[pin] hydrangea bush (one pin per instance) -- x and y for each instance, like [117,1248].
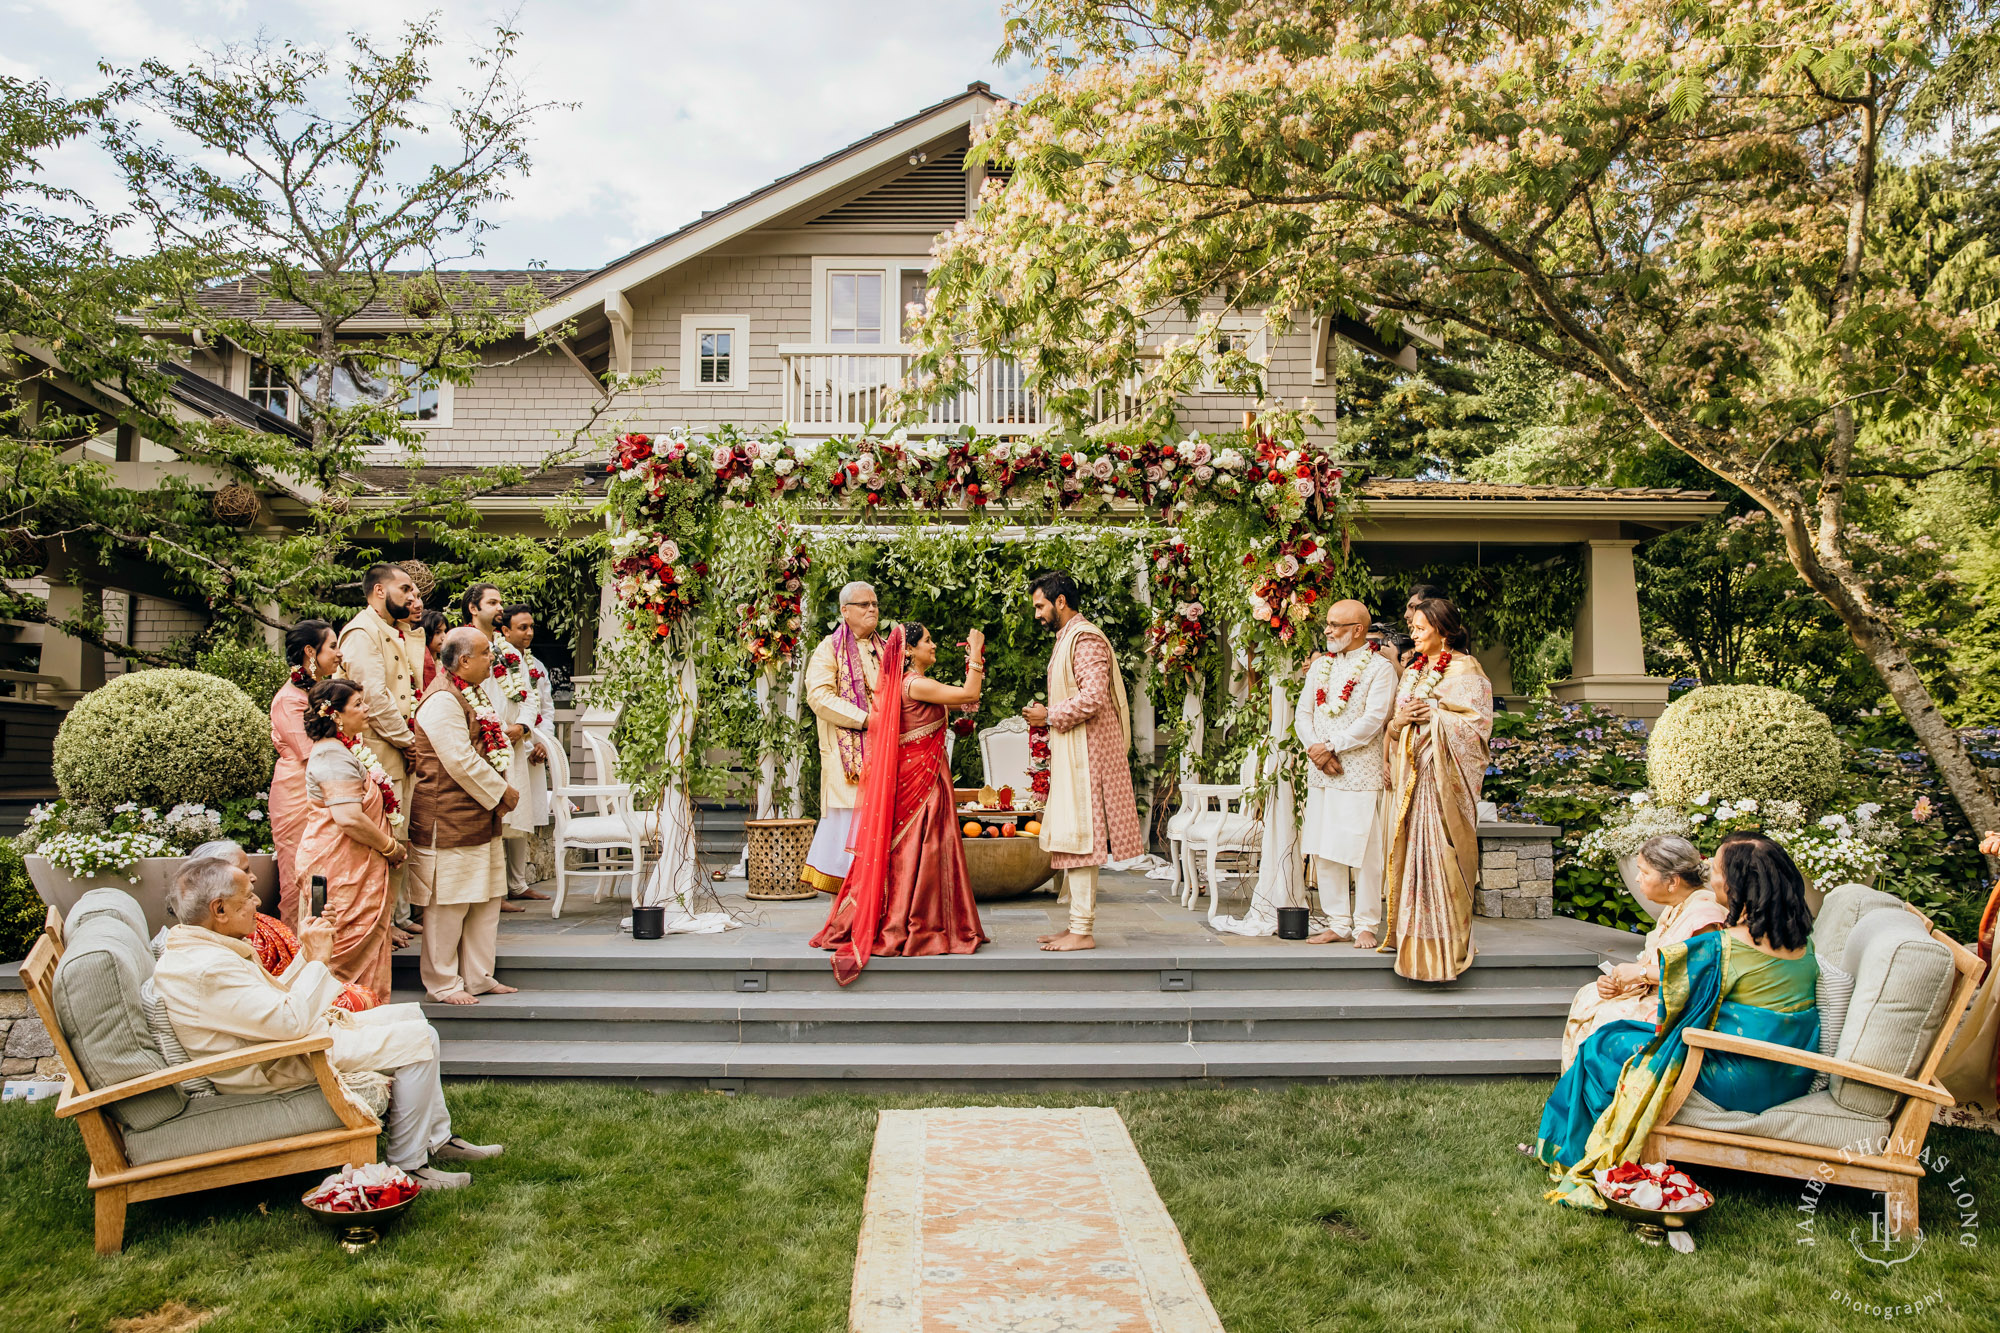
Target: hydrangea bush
[1736,741]
[161,738]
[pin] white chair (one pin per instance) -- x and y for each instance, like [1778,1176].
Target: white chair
[615,828]
[1225,821]
[1003,753]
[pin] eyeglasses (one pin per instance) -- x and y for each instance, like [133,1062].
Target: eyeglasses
[1347,624]
[860,606]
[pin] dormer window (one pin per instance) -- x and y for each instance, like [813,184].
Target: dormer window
[269,390]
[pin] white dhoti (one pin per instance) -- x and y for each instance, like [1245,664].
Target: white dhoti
[828,859]
[1342,833]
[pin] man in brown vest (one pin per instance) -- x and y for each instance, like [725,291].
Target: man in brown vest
[458,871]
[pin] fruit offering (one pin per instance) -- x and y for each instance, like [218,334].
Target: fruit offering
[971,829]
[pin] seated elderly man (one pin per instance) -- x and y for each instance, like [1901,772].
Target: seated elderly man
[219,998]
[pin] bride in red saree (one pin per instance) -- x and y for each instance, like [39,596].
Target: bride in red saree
[907,894]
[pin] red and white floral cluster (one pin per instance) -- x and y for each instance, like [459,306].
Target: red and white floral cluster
[492,739]
[391,806]
[510,669]
[1291,576]
[1657,1187]
[770,626]
[1038,768]
[1180,633]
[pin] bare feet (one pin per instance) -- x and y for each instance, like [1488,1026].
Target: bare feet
[531,895]
[1365,940]
[1329,937]
[456,997]
[497,989]
[398,939]
[509,905]
[1044,939]
[411,927]
[1069,942]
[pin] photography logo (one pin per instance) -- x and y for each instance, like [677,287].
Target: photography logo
[1891,1241]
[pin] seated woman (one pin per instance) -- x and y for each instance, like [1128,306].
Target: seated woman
[1755,978]
[908,893]
[1673,877]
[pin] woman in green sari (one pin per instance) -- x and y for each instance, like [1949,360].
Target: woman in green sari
[1755,977]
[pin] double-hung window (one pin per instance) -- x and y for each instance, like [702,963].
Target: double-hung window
[854,308]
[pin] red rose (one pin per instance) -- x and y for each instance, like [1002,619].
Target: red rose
[873,498]
[1067,461]
[1305,470]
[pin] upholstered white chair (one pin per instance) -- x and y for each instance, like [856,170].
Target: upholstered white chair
[1003,753]
[615,834]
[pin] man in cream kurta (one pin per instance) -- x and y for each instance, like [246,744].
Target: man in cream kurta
[1343,744]
[842,722]
[511,691]
[457,869]
[374,654]
[219,998]
[1091,815]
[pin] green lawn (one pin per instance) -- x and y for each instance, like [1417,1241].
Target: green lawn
[1396,1205]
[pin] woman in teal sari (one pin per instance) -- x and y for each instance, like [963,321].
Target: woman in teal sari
[1755,976]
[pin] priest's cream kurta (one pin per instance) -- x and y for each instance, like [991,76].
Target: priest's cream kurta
[828,860]
[458,875]
[220,998]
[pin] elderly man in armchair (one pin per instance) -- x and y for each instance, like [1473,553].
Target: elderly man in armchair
[219,998]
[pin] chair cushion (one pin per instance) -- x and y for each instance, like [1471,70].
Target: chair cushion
[1837,914]
[1815,1118]
[98,1004]
[231,1119]
[607,829]
[1902,986]
[168,1040]
[1835,991]
[116,902]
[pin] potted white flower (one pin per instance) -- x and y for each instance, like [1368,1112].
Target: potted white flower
[150,767]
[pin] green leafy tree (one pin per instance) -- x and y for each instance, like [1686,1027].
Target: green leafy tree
[1674,204]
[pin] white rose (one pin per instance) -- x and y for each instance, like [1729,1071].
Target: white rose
[1318,556]
[670,550]
[1104,468]
[1229,460]
[1287,566]
[1304,486]
[1203,472]
[1260,608]
[783,467]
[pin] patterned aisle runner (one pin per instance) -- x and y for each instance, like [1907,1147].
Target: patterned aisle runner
[1018,1220]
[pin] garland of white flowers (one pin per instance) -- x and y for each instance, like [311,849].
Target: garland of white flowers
[1332,703]
[510,668]
[493,739]
[1427,674]
[376,774]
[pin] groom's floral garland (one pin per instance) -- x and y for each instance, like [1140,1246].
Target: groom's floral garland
[376,774]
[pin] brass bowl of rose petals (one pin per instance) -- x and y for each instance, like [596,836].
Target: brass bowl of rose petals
[360,1200]
[1655,1192]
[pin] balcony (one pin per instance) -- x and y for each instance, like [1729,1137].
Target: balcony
[833,390]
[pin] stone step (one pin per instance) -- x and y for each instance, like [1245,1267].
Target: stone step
[1040,1017]
[780,1068]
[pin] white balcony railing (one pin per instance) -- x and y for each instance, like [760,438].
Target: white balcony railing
[834,390]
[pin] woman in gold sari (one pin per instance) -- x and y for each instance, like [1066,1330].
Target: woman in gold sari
[1437,762]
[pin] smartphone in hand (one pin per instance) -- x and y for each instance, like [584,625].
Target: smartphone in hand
[319,895]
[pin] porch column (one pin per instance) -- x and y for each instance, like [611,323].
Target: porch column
[1608,660]
[78,665]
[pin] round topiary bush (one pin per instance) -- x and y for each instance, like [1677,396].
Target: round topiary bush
[159,738]
[1733,741]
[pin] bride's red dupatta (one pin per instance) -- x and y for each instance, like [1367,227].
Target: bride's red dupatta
[874,815]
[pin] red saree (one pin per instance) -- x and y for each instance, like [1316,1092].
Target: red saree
[908,894]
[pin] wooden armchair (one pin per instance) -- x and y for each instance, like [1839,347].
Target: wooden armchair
[1892,1173]
[115,1182]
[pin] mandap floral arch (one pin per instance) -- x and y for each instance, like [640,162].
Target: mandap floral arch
[721,545]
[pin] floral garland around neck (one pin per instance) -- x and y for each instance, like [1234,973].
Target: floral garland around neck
[376,773]
[1427,675]
[1331,704]
[535,683]
[493,739]
[510,668]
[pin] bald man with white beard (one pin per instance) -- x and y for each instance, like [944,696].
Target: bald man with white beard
[1342,709]
[840,689]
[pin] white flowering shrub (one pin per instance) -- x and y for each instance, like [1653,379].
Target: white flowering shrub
[88,855]
[1627,830]
[1728,742]
[163,738]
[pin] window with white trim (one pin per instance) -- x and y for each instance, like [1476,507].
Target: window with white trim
[854,308]
[269,390]
[715,352]
[1242,337]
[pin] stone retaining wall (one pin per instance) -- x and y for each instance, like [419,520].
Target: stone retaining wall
[1517,870]
[25,1048]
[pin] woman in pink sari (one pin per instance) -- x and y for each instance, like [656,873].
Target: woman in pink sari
[349,835]
[908,894]
[312,650]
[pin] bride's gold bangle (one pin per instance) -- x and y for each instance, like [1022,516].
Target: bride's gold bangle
[975,666]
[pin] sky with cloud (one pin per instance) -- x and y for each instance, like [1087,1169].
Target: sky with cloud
[679,106]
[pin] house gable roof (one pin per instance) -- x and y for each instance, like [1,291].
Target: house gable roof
[850,164]
[250,297]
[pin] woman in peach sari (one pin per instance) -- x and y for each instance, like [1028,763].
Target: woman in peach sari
[312,650]
[350,838]
[1673,879]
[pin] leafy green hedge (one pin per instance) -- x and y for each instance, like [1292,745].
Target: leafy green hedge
[21,908]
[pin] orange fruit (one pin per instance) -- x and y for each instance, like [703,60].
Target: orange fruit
[1033,826]
[1007,830]
[992,832]
[971,829]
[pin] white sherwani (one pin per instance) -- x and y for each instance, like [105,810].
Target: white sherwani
[1342,813]
[220,998]
[531,780]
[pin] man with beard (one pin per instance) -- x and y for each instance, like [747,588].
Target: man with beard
[840,689]
[1091,815]
[375,656]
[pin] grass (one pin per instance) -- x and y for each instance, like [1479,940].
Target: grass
[1393,1205]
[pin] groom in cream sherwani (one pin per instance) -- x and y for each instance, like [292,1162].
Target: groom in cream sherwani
[1348,695]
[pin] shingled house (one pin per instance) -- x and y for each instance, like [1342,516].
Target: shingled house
[785,306]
